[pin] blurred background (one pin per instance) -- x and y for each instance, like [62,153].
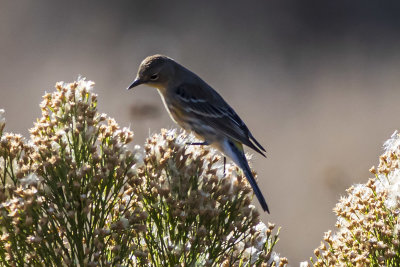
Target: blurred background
[317,82]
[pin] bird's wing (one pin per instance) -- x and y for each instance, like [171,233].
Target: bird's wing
[206,105]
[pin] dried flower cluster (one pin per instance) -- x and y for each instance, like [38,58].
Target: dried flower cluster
[66,196]
[76,195]
[368,219]
[198,215]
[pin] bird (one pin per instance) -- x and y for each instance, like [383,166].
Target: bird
[198,108]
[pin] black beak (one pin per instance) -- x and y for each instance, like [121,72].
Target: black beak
[135,83]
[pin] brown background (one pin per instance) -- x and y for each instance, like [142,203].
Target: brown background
[316,81]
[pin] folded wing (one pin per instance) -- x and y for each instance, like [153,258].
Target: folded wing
[209,107]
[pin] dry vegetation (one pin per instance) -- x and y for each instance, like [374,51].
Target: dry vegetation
[75,194]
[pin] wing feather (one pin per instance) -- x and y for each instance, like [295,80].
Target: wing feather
[211,109]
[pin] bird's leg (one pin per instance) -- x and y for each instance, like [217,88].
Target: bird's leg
[224,164]
[198,144]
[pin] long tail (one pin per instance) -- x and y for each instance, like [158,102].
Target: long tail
[235,152]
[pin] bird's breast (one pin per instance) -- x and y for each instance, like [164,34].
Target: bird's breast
[177,114]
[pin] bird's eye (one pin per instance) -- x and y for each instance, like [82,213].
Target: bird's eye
[154,77]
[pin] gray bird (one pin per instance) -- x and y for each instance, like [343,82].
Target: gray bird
[197,107]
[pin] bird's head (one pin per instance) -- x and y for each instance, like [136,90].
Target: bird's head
[155,71]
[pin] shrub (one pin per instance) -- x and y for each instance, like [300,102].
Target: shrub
[76,194]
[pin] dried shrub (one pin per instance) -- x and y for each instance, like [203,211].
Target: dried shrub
[77,195]
[368,219]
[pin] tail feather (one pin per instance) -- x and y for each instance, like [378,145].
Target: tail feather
[235,152]
[253,183]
